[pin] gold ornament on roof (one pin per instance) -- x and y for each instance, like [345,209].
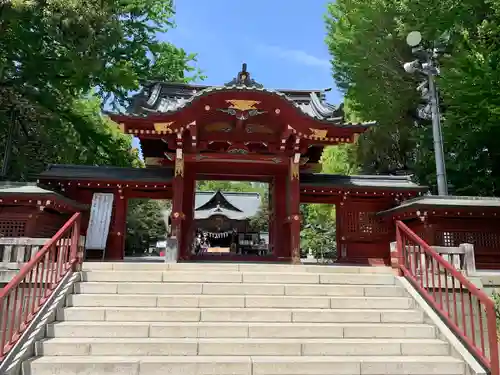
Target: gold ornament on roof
[242,105]
[163,127]
[318,133]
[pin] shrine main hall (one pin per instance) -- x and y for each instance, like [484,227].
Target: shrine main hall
[242,131]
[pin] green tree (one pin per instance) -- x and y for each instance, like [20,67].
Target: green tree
[367,43]
[53,53]
[145,224]
[318,233]
[260,222]
[339,160]
[368,55]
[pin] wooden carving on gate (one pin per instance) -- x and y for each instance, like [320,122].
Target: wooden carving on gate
[218,127]
[257,128]
[242,109]
[238,149]
[294,170]
[179,167]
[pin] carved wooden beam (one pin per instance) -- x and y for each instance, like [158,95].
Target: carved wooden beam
[284,137]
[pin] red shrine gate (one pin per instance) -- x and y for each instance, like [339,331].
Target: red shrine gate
[242,131]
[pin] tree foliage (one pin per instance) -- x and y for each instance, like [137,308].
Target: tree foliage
[368,55]
[54,53]
[367,43]
[145,224]
[318,234]
[61,61]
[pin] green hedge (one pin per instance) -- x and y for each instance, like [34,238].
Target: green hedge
[496,298]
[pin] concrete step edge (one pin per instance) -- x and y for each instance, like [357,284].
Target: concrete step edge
[210,359]
[244,340]
[233,324]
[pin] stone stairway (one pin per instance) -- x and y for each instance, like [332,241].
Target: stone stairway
[218,319]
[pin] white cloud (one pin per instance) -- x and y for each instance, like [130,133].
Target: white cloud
[297,56]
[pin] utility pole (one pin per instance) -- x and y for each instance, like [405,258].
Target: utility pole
[426,64]
[437,135]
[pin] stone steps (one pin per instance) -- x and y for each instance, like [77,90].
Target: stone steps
[239,347]
[238,277]
[305,315]
[251,319]
[238,289]
[244,365]
[84,329]
[253,301]
[233,267]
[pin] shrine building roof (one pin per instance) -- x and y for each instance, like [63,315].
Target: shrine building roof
[106,173]
[29,194]
[444,202]
[163,175]
[359,181]
[233,205]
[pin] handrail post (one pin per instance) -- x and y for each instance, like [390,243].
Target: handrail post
[399,250]
[469,259]
[491,325]
[75,239]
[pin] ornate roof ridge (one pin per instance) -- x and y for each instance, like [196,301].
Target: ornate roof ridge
[163,97]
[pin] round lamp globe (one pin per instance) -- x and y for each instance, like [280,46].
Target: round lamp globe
[414,38]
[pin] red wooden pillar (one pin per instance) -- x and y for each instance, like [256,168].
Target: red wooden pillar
[177,202]
[116,239]
[188,211]
[293,218]
[270,210]
[280,227]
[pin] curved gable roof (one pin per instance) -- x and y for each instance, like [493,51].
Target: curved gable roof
[247,204]
[217,199]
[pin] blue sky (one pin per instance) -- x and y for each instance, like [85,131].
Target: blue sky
[282,41]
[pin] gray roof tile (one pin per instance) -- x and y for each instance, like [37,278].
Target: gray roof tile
[31,190]
[170,97]
[246,204]
[164,175]
[106,173]
[437,201]
[359,181]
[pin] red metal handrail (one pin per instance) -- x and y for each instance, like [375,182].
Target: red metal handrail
[460,303]
[26,293]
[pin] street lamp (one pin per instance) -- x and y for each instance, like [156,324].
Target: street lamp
[426,64]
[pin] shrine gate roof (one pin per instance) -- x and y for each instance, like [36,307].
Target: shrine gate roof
[162,97]
[233,205]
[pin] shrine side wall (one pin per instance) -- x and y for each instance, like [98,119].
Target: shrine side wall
[362,237]
[483,233]
[19,221]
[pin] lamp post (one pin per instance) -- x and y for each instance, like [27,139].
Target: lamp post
[426,64]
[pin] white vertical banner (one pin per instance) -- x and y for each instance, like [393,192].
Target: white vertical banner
[100,218]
